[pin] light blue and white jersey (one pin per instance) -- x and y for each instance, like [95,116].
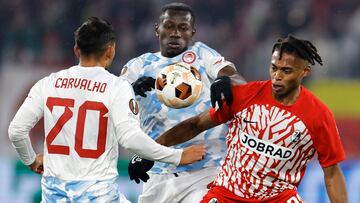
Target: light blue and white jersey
[57,190]
[156,118]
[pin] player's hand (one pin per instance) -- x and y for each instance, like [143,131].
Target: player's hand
[221,86]
[138,167]
[142,85]
[37,166]
[192,154]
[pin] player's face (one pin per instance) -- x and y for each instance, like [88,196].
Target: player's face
[286,74]
[175,31]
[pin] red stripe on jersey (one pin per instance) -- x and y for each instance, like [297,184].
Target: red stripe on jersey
[270,144]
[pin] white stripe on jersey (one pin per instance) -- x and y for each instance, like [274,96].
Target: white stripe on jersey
[268,149]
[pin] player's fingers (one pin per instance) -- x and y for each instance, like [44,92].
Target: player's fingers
[219,101]
[144,177]
[217,97]
[142,92]
[137,180]
[213,101]
[199,147]
[228,96]
[213,96]
[199,152]
[147,88]
[152,82]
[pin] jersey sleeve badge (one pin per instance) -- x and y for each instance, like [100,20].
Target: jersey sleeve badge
[134,107]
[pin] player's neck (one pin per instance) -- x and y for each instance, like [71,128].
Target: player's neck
[90,62]
[288,99]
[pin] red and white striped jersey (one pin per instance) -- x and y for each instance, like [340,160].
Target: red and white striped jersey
[269,144]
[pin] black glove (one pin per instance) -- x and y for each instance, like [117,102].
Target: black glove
[143,84]
[138,167]
[221,86]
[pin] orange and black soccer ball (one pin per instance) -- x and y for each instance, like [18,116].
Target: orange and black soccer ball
[178,85]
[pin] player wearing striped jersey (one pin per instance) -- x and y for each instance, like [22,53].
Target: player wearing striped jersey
[87,112]
[184,183]
[275,128]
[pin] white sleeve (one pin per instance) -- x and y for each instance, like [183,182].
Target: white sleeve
[214,62]
[124,113]
[132,69]
[30,112]
[135,140]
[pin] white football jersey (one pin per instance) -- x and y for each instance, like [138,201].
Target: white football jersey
[156,118]
[81,106]
[87,112]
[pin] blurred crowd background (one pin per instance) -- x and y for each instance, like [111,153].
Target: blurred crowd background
[40,32]
[36,38]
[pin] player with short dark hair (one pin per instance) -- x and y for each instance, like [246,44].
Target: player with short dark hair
[180,7]
[87,113]
[275,128]
[175,31]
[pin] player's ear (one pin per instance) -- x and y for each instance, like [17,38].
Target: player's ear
[193,31]
[307,71]
[76,51]
[156,30]
[110,51]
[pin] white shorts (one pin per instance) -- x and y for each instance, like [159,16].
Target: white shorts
[55,190]
[184,187]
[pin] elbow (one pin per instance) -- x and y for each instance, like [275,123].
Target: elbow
[15,133]
[12,132]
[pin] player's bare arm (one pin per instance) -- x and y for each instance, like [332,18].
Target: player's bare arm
[235,77]
[186,130]
[335,184]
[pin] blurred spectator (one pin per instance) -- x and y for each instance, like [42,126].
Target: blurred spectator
[36,32]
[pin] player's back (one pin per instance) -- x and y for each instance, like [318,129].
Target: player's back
[80,142]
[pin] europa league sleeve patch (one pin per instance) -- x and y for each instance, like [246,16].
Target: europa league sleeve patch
[133,106]
[123,70]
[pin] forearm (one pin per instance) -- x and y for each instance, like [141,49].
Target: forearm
[18,132]
[182,132]
[186,130]
[234,76]
[335,184]
[25,151]
[135,140]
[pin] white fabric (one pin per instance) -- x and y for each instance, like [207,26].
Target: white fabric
[133,136]
[24,149]
[75,103]
[156,118]
[188,187]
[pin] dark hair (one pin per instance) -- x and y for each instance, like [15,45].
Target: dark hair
[176,6]
[302,48]
[93,36]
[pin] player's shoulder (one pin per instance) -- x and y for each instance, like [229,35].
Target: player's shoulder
[314,102]
[200,44]
[47,79]
[203,49]
[61,72]
[122,81]
[253,85]
[141,59]
[249,90]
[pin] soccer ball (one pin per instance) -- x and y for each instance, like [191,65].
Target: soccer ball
[178,85]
